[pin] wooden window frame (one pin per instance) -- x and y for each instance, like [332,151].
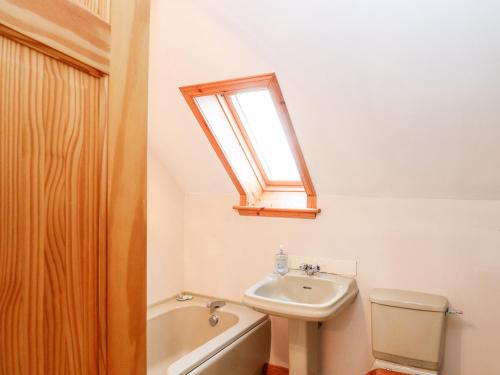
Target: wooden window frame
[230,87]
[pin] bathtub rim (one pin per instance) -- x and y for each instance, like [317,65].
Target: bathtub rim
[156,304]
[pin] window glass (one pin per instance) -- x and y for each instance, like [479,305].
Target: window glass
[261,121]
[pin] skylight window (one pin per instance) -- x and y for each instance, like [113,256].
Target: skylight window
[263,126]
[248,125]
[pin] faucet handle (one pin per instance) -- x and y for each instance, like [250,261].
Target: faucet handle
[309,269]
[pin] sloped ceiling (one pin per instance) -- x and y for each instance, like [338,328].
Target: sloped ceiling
[389,98]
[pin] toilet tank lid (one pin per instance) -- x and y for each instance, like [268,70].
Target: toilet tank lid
[409,300]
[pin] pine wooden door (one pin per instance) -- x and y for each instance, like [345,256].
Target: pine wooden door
[54,188]
[52,194]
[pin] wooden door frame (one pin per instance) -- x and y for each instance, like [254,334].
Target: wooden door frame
[127,191]
[117,52]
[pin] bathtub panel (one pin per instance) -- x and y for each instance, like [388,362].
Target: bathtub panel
[246,356]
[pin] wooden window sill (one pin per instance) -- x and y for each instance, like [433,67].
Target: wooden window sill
[299,213]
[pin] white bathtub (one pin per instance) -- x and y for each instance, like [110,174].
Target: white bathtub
[181,340]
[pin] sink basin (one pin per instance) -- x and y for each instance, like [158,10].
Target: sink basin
[298,296]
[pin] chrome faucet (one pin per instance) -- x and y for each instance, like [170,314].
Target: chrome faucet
[309,269]
[212,305]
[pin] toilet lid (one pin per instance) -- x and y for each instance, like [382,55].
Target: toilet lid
[396,369]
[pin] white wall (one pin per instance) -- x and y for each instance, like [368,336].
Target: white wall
[165,259]
[447,247]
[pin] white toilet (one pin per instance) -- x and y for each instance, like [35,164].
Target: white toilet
[408,331]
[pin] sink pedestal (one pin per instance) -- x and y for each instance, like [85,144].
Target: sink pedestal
[305,300]
[303,347]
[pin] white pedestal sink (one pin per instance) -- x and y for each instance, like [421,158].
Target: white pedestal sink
[305,300]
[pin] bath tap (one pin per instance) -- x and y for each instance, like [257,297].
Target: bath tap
[212,305]
[309,269]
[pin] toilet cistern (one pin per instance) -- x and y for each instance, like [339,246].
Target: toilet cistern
[408,331]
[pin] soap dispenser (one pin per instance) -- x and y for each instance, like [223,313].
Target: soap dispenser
[281,262]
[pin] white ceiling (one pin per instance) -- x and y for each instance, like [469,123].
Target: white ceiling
[393,98]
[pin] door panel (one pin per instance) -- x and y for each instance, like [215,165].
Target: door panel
[52,139]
